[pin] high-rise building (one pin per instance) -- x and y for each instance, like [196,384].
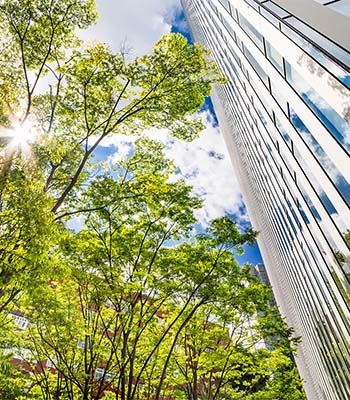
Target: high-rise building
[259,271]
[285,116]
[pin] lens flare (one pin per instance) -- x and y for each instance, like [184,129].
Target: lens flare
[16,142]
[22,135]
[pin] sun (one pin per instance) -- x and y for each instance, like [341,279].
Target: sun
[22,135]
[17,140]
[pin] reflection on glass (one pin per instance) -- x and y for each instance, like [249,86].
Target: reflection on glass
[337,178]
[257,67]
[284,134]
[286,160]
[276,9]
[228,26]
[274,56]
[279,96]
[292,225]
[233,53]
[253,4]
[265,103]
[270,17]
[302,212]
[309,203]
[319,190]
[335,69]
[239,43]
[339,128]
[251,31]
[226,4]
[342,7]
[322,41]
[233,12]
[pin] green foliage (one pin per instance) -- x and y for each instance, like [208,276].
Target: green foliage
[133,305]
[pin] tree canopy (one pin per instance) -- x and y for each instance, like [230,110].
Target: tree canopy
[133,305]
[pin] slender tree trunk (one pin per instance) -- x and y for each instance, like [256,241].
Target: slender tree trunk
[195,383]
[184,323]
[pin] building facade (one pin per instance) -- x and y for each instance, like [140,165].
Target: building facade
[285,116]
[259,271]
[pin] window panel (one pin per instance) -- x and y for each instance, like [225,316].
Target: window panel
[226,4]
[342,7]
[284,134]
[279,96]
[274,56]
[253,4]
[276,9]
[270,17]
[339,128]
[318,188]
[257,67]
[228,27]
[322,41]
[251,31]
[338,179]
[325,61]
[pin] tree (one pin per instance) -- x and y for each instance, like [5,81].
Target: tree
[92,94]
[125,313]
[109,306]
[35,34]
[237,347]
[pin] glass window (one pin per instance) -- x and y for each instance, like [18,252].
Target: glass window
[274,56]
[284,134]
[302,212]
[316,185]
[228,27]
[239,43]
[262,118]
[309,203]
[269,17]
[226,4]
[261,99]
[276,9]
[278,95]
[234,54]
[325,61]
[337,178]
[296,218]
[253,4]
[342,7]
[251,31]
[257,67]
[213,6]
[322,41]
[233,12]
[292,225]
[330,118]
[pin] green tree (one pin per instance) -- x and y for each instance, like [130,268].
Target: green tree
[92,94]
[125,313]
[110,306]
[237,347]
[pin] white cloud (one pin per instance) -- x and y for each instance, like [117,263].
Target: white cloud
[204,163]
[139,23]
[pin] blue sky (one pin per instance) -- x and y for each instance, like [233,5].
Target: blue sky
[204,163]
[252,254]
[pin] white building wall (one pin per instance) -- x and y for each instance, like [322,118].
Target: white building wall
[293,164]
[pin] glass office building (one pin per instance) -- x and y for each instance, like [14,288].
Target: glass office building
[285,116]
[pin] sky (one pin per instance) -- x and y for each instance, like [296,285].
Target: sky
[135,25]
